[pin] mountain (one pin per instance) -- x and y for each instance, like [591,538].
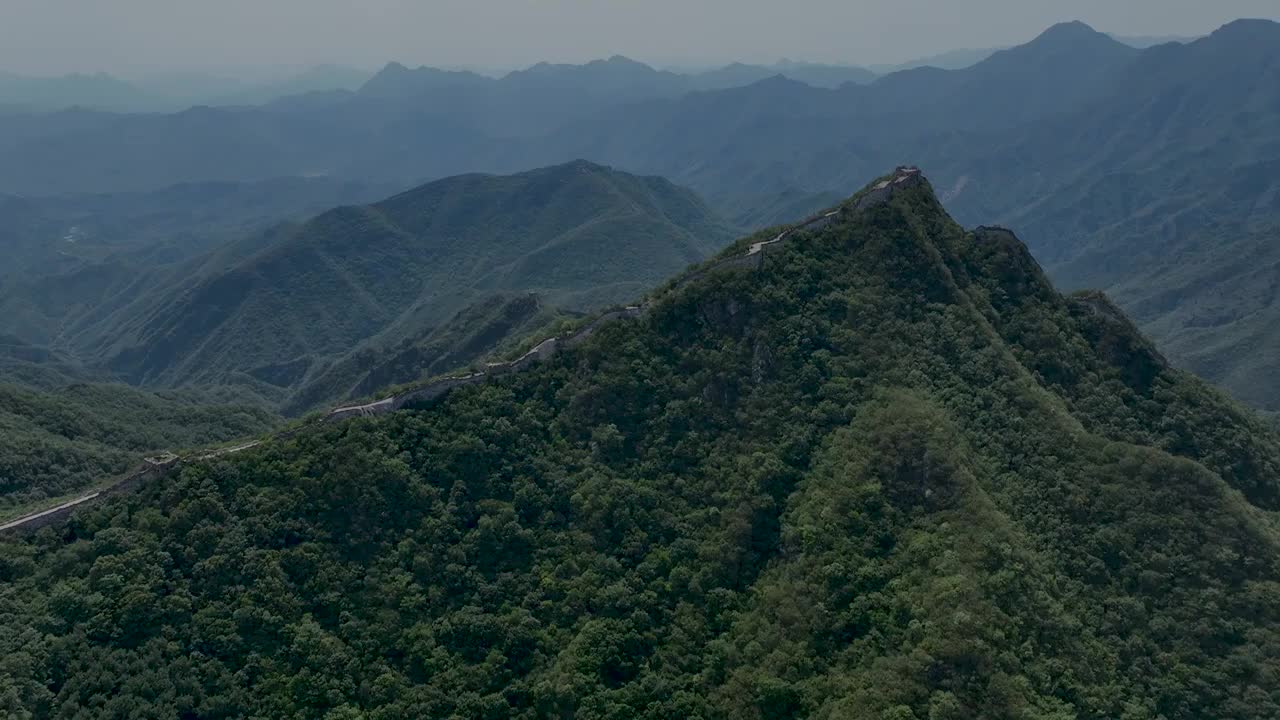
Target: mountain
[1146,41]
[779,134]
[99,91]
[1149,173]
[967,57]
[1083,143]
[166,92]
[485,329]
[949,60]
[401,125]
[581,234]
[34,367]
[62,440]
[890,473]
[777,208]
[1164,193]
[815,74]
[317,79]
[60,234]
[617,76]
[395,80]
[1066,65]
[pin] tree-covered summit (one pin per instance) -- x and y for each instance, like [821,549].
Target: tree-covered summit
[889,474]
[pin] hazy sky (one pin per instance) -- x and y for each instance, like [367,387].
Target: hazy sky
[56,36]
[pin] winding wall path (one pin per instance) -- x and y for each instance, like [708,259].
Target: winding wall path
[160,466]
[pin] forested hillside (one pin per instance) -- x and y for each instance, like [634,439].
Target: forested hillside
[483,330]
[892,473]
[59,441]
[580,233]
[61,234]
[297,313]
[1149,173]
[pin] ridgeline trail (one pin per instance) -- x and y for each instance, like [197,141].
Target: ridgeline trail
[162,465]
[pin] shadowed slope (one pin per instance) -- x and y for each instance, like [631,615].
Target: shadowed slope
[888,473]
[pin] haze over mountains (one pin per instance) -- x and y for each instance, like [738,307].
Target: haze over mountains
[165,92]
[1076,139]
[272,308]
[588,391]
[178,90]
[889,472]
[617,76]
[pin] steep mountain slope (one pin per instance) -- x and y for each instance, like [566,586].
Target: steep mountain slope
[1120,167]
[60,234]
[37,367]
[478,331]
[58,441]
[892,473]
[815,74]
[1148,173]
[1166,194]
[780,133]
[579,233]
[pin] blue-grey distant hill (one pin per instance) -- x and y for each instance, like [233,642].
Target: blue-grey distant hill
[274,309]
[1148,171]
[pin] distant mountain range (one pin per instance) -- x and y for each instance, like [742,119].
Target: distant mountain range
[619,76]
[963,58]
[64,233]
[273,309]
[165,92]
[1119,165]
[888,472]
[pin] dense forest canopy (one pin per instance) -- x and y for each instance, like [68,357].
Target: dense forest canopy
[892,474]
[63,441]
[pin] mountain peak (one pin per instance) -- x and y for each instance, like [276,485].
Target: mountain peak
[623,60]
[1071,27]
[1248,29]
[882,188]
[779,82]
[580,166]
[1065,49]
[1074,35]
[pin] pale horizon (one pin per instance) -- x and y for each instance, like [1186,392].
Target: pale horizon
[137,38]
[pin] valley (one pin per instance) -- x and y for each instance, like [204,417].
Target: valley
[521,378]
[1015,136]
[544,350]
[886,396]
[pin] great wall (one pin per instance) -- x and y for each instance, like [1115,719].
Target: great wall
[156,467]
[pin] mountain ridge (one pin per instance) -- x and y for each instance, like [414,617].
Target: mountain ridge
[414,259]
[891,472]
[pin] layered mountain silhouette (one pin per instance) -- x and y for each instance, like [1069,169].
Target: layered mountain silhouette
[44,236]
[164,92]
[581,234]
[482,330]
[1146,172]
[888,471]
